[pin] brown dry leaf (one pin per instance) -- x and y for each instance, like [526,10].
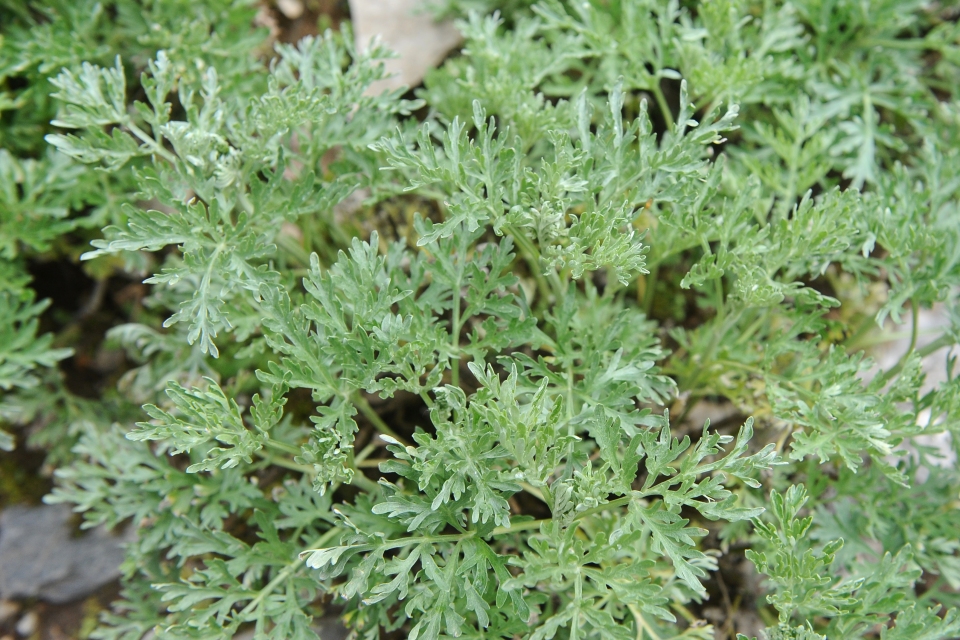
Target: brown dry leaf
[407,27]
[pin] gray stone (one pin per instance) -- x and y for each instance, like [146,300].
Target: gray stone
[40,556]
[329,627]
[406,27]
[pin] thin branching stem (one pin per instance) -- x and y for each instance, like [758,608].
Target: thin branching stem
[361,403]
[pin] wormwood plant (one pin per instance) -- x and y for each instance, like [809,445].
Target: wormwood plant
[478,419]
[50,206]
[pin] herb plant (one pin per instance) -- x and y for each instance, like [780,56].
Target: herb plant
[598,328]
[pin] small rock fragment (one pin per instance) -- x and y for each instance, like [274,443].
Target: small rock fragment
[28,624]
[329,627]
[715,412]
[408,28]
[40,557]
[292,9]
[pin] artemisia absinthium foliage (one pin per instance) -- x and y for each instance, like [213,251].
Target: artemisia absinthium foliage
[637,207]
[51,205]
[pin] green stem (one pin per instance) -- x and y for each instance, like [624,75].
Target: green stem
[941,342]
[361,403]
[753,328]
[298,561]
[532,256]
[370,464]
[648,293]
[893,337]
[282,446]
[915,325]
[151,142]
[454,537]
[535,524]
[365,453]
[719,293]
[571,432]
[852,343]
[427,400]
[404,542]
[455,337]
[526,525]
[287,571]
[613,504]
[280,461]
[359,479]
[246,204]
[534,491]
[662,104]
[642,625]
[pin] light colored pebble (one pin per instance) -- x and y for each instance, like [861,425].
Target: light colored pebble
[292,9]
[408,28]
[28,624]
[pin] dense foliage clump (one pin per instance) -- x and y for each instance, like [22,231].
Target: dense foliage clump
[479,403]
